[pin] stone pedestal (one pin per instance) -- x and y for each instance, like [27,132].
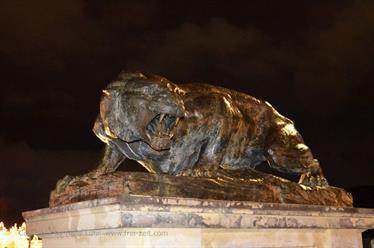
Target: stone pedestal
[154,221]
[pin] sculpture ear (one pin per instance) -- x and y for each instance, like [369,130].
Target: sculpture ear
[126,76]
[166,96]
[162,95]
[122,80]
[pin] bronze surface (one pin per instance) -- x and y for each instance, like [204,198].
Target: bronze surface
[195,131]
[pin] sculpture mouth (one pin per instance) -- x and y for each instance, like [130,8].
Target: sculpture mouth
[160,131]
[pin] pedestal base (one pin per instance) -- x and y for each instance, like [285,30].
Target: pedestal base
[151,221]
[209,238]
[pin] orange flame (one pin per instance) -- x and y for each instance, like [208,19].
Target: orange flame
[16,237]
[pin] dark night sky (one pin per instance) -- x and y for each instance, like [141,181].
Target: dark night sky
[313,60]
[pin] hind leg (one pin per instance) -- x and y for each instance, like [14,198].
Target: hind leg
[288,153]
[314,177]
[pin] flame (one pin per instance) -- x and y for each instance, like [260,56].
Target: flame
[16,237]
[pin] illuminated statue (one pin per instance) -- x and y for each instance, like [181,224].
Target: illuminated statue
[194,129]
[197,141]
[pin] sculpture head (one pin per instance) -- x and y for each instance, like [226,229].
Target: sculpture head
[136,107]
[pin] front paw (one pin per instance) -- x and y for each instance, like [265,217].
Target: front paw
[310,179]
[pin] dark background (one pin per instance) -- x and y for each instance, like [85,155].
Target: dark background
[312,60]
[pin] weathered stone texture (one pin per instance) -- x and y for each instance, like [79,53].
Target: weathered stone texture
[132,220]
[249,185]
